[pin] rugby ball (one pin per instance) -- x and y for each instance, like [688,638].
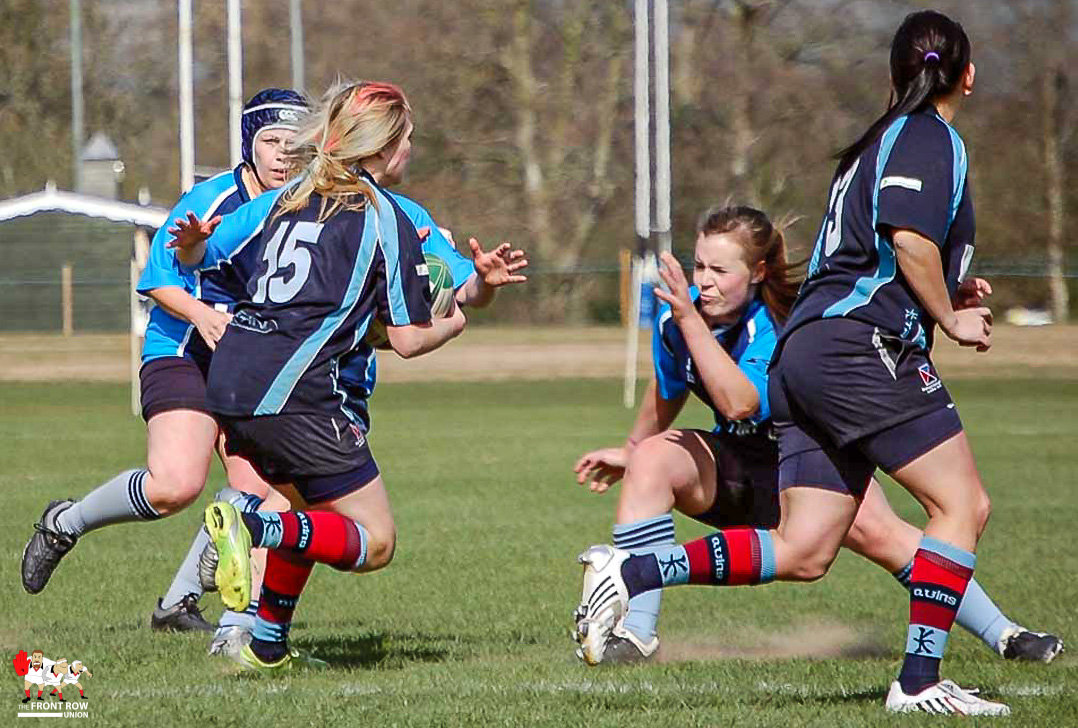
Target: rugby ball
[442,296]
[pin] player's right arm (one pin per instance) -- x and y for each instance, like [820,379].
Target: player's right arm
[202,244]
[209,322]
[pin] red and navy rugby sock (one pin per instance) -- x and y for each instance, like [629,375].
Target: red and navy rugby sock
[283,581]
[322,536]
[731,557]
[941,573]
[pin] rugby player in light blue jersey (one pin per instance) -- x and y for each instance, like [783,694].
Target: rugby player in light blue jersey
[716,342]
[190,317]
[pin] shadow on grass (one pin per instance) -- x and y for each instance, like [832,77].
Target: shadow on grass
[378,650]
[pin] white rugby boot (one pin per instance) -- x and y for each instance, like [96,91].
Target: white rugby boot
[604,600]
[944,697]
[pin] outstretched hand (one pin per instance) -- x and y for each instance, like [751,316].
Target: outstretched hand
[500,266]
[679,298]
[189,232]
[600,469]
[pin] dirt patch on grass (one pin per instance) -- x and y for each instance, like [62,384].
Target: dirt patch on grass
[504,353]
[809,640]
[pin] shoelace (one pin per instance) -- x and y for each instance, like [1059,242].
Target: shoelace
[60,538]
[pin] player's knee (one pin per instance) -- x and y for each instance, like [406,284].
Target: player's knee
[174,490]
[647,473]
[867,536]
[982,510]
[380,549]
[808,566]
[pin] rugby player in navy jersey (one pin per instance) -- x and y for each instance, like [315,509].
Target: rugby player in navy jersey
[475,282]
[852,387]
[728,476]
[190,316]
[335,251]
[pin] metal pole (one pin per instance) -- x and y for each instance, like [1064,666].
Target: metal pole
[662,126]
[295,12]
[235,80]
[642,125]
[76,95]
[187,93]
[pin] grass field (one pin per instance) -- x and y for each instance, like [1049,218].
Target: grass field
[470,624]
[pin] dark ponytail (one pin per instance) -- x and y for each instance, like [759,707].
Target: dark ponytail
[929,55]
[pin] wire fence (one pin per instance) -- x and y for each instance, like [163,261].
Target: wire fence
[34,301]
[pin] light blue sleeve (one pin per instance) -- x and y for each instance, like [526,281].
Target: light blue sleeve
[669,367]
[460,268]
[756,358]
[237,228]
[162,269]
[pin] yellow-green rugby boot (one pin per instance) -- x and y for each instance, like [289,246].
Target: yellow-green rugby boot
[233,543]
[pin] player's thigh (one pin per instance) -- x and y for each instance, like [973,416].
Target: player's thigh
[674,469]
[241,474]
[814,523]
[879,534]
[179,449]
[946,482]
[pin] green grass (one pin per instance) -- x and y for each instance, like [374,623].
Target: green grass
[470,623]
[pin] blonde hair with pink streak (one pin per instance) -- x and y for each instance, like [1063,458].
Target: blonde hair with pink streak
[353,122]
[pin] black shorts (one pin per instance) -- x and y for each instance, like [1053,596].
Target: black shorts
[746,489]
[324,456]
[173,383]
[847,398]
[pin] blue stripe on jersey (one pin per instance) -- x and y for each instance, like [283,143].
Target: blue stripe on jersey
[865,288]
[961,164]
[290,374]
[387,224]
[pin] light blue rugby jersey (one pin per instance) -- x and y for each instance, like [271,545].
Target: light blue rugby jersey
[356,372]
[750,343]
[167,335]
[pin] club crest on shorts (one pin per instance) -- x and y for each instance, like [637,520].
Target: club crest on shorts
[929,379]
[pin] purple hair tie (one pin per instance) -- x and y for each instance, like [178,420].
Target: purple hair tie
[931,54]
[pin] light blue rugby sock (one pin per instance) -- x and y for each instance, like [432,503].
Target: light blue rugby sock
[977,614]
[641,538]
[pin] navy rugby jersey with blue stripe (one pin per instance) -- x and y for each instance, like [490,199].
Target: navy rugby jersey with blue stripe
[913,178]
[358,370]
[311,298]
[168,335]
[750,343]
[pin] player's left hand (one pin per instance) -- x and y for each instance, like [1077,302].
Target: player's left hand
[187,233]
[500,266]
[679,298]
[971,293]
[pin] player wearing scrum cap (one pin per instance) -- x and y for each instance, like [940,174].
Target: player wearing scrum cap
[191,314]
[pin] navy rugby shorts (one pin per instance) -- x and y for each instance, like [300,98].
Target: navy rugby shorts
[847,398]
[324,456]
[173,383]
[746,488]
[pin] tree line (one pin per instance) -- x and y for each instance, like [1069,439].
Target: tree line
[524,127]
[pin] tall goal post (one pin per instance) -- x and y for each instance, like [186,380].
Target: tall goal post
[653,233]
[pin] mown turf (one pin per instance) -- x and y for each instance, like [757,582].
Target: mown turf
[470,623]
